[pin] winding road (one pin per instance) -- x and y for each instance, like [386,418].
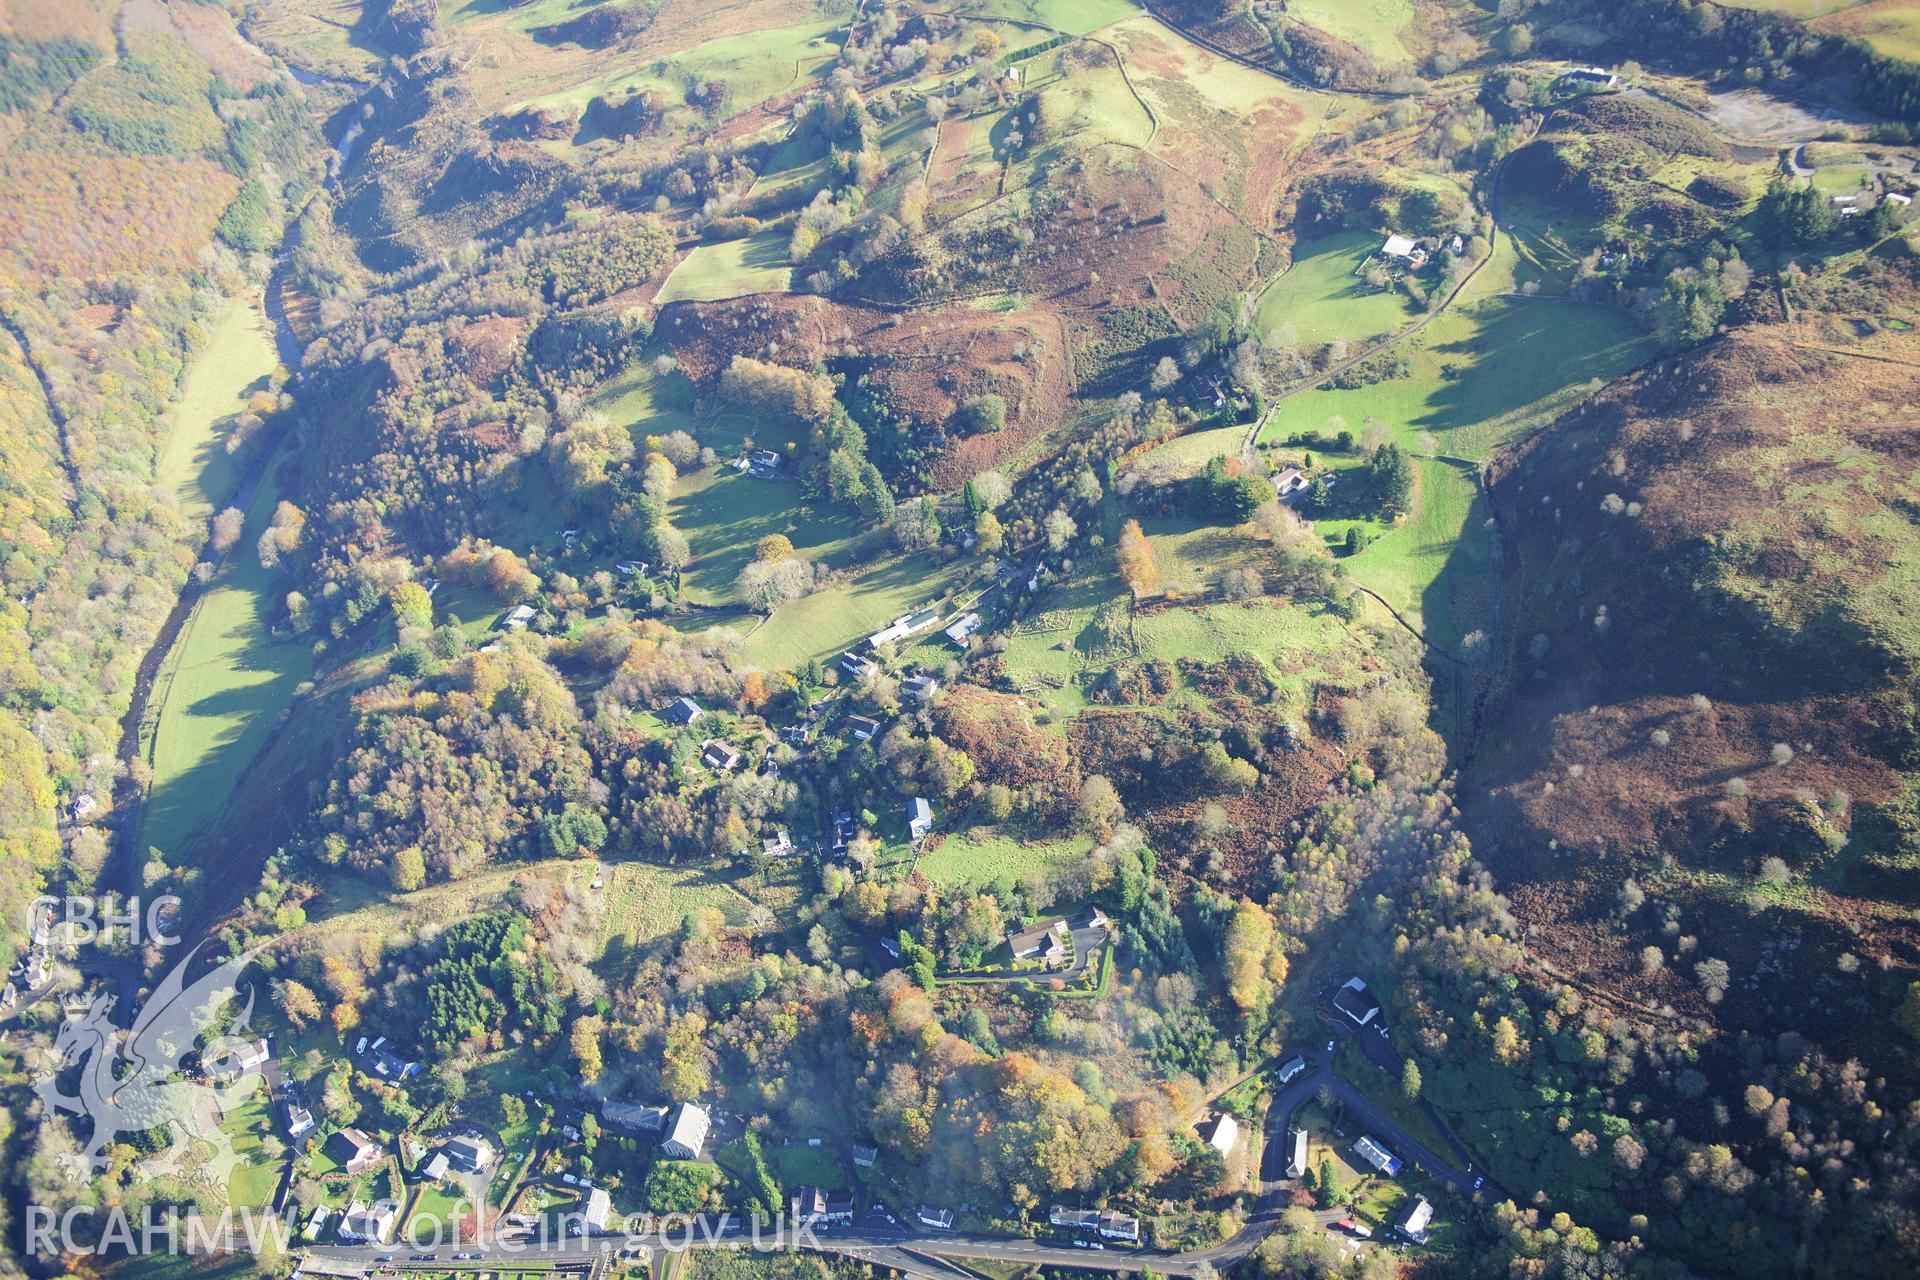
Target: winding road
[921,1251]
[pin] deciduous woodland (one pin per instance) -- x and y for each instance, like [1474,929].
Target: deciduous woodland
[1204,638]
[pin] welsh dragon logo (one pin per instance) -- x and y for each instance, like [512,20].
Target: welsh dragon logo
[136,1081]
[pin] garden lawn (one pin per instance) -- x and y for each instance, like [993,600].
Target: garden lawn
[223,687]
[731,269]
[439,1206]
[1322,296]
[983,855]
[256,1176]
[194,465]
[800,1166]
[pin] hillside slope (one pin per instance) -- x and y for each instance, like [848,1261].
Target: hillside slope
[1705,735]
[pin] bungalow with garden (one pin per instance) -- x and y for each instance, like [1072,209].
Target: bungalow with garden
[862,727]
[919,818]
[1046,941]
[682,711]
[938,1219]
[777,845]
[920,687]
[962,631]
[1296,1152]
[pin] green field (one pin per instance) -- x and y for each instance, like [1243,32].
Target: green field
[1436,568]
[1892,27]
[1211,633]
[724,512]
[1322,296]
[982,855]
[1802,9]
[1484,374]
[238,360]
[1189,454]
[1376,26]
[221,690]
[1075,17]
[732,269]
[642,901]
[753,65]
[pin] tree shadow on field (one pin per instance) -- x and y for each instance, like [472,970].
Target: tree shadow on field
[1521,357]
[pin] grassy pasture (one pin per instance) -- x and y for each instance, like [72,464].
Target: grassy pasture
[754,65]
[723,513]
[731,269]
[1892,27]
[1193,451]
[1483,374]
[220,692]
[1211,633]
[643,901]
[1376,26]
[1802,9]
[1445,535]
[193,464]
[1075,17]
[982,855]
[1321,295]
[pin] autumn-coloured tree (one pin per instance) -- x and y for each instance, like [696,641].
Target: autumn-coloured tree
[1135,553]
